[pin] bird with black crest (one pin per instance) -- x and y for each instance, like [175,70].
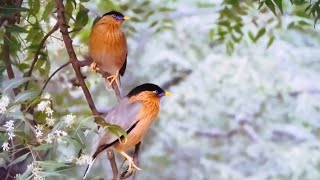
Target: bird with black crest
[108,47]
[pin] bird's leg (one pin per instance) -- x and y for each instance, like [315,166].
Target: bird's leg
[113,78]
[136,153]
[94,67]
[132,166]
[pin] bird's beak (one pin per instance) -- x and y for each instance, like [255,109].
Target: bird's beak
[126,18]
[167,93]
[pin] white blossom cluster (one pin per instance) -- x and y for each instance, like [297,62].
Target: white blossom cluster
[45,106]
[69,120]
[4,102]
[36,171]
[82,160]
[58,135]
[9,125]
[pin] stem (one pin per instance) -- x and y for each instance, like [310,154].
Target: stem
[36,56]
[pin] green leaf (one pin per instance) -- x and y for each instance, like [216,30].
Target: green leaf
[35,7]
[270,4]
[15,28]
[135,19]
[82,18]
[261,32]
[229,47]
[146,3]
[211,34]
[68,11]
[13,83]
[153,24]
[51,164]
[39,63]
[19,159]
[165,9]
[270,41]
[279,4]
[137,11]
[232,2]
[26,95]
[43,147]
[117,131]
[251,36]
[9,10]
[47,10]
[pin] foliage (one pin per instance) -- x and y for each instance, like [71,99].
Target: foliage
[43,132]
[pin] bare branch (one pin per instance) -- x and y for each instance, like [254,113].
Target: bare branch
[113,164]
[54,73]
[36,56]
[176,79]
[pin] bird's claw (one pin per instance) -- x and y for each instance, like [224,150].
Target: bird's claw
[94,67]
[132,165]
[111,79]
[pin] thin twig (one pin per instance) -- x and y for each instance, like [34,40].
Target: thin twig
[54,73]
[36,56]
[113,164]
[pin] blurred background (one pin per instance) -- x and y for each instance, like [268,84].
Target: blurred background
[244,77]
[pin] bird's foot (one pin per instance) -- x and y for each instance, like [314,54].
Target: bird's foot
[132,165]
[111,79]
[94,67]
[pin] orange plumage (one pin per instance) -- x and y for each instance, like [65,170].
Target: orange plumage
[108,47]
[134,113]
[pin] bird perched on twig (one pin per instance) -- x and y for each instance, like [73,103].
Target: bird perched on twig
[108,47]
[134,114]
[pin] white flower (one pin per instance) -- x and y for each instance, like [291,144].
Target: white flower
[11,135]
[43,105]
[48,111]
[9,125]
[49,138]
[17,176]
[59,134]
[84,159]
[50,121]
[39,132]
[5,146]
[4,102]
[36,171]
[46,96]
[69,120]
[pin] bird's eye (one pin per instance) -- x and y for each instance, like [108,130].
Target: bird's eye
[113,15]
[155,91]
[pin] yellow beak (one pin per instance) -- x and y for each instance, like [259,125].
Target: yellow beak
[167,93]
[126,18]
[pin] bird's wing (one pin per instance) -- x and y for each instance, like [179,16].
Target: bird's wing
[123,68]
[124,115]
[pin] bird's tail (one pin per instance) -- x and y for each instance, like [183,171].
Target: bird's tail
[88,168]
[94,157]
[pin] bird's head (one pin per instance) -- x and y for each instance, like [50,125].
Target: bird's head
[148,89]
[113,17]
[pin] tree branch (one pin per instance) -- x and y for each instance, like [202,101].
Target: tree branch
[113,164]
[75,64]
[54,73]
[177,79]
[36,56]
[6,47]
[73,58]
